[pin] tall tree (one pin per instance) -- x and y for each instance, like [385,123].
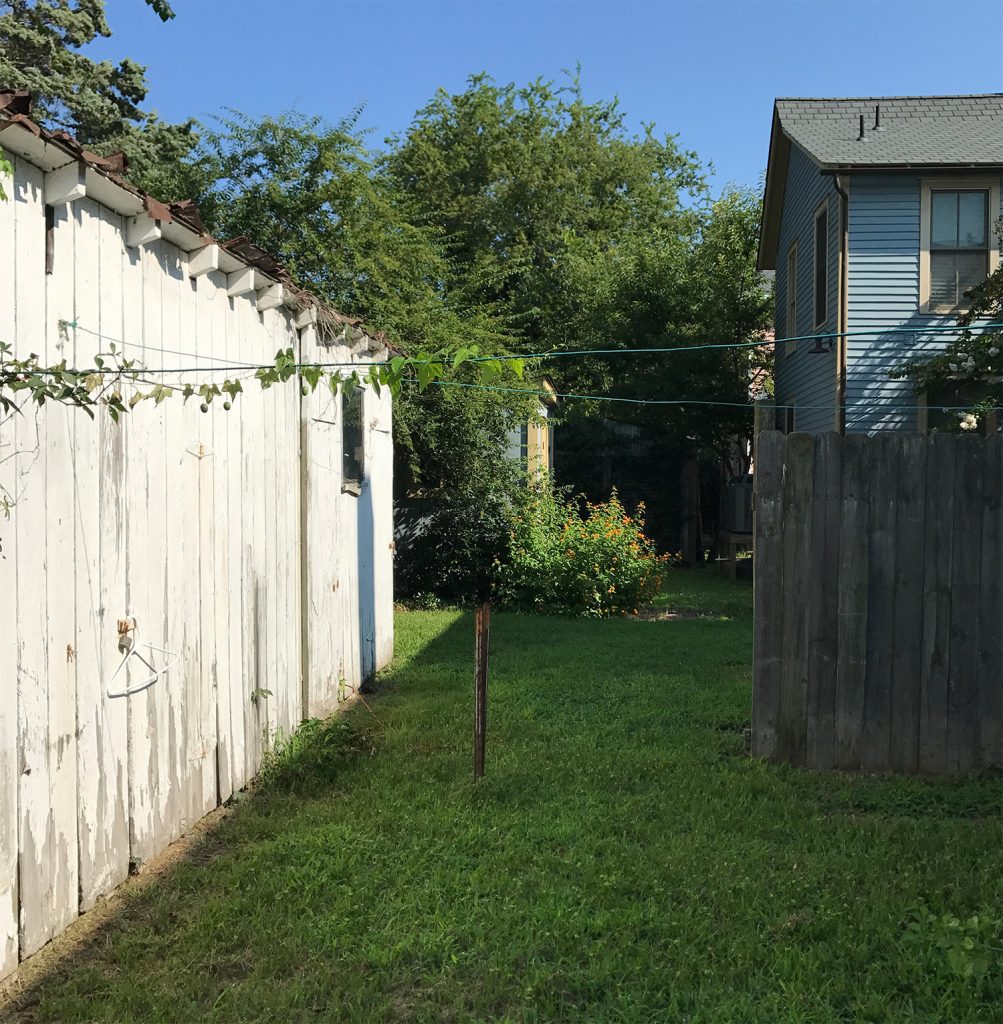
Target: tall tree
[531,184]
[585,236]
[98,102]
[694,297]
[359,243]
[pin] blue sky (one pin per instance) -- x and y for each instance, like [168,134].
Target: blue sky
[708,71]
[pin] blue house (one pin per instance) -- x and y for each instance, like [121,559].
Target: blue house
[879,213]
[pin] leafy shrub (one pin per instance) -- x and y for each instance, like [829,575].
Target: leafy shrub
[462,533]
[559,560]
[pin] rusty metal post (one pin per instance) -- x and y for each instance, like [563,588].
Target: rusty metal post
[482,627]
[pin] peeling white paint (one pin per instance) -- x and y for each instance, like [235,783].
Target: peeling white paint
[213,531]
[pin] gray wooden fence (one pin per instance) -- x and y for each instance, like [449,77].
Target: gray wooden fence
[879,602]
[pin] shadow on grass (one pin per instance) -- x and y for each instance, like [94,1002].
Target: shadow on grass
[623,860]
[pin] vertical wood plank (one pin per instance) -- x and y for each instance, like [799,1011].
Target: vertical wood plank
[9,747]
[140,778]
[271,588]
[239,679]
[36,825]
[990,604]
[966,577]
[907,622]
[768,593]
[383,490]
[62,566]
[150,736]
[98,460]
[256,444]
[852,599]
[195,335]
[798,479]
[938,548]
[284,685]
[322,537]
[216,596]
[823,603]
[293,520]
[875,741]
[178,706]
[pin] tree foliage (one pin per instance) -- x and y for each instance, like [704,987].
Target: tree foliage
[583,236]
[530,186]
[505,219]
[98,102]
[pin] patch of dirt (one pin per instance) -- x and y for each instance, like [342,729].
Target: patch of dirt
[668,615]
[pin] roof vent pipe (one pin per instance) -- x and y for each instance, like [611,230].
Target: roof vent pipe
[877,118]
[861,136]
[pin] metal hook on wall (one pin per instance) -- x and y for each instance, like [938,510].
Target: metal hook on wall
[129,645]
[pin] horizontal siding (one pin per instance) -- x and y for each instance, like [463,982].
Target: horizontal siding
[806,377]
[884,242]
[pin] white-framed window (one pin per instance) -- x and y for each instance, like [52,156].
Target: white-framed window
[958,243]
[353,456]
[791,312]
[820,283]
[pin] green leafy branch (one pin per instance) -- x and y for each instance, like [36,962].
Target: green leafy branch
[106,384]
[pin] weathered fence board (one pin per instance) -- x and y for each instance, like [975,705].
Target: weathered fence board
[851,653]
[938,550]
[989,712]
[769,591]
[823,603]
[9,682]
[965,612]
[791,720]
[875,739]
[37,838]
[101,737]
[879,598]
[907,598]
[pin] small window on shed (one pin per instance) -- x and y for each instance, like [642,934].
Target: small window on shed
[821,266]
[352,439]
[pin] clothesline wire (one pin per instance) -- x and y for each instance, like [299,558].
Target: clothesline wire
[508,357]
[890,406]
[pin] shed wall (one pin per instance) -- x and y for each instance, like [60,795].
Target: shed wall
[211,530]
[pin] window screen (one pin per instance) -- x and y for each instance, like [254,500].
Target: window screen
[959,245]
[352,434]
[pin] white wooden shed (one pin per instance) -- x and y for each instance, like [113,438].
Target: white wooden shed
[248,570]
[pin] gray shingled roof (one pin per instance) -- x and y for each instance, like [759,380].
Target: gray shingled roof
[930,130]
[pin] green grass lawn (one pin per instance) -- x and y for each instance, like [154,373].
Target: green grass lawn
[624,860]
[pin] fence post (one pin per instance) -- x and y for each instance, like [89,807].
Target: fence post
[482,628]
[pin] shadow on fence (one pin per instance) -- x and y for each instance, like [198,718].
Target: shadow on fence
[879,602]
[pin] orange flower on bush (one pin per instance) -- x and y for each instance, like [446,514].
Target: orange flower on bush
[578,558]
